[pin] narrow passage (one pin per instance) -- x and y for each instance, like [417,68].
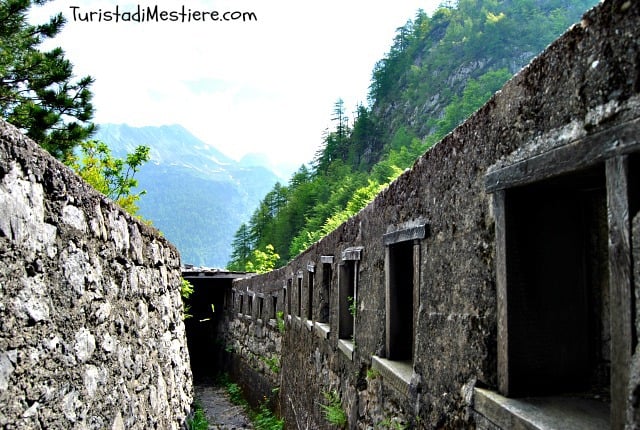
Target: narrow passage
[220,412]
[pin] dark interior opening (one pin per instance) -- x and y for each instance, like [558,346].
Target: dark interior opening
[299,313]
[310,297]
[205,327]
[288,294]
[347,294]
[634,209]
[325,298]
[400,302]
[558,286]
[274,307]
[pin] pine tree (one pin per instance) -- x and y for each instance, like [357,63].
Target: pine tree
[38,93]
[242,246]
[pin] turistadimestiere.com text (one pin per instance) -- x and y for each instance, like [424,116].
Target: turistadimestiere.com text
[142,14]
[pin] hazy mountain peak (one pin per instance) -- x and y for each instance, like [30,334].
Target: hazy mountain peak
[167,142]
[196,195]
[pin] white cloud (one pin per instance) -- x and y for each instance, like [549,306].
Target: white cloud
[265,86]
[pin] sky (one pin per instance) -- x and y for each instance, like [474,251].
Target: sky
[257,86]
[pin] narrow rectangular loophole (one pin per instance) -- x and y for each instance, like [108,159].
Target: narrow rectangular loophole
[288,294]
[299,302]
[310,296]
[325,293]
[347,291]
[274,307]
[399,301]
[260,307]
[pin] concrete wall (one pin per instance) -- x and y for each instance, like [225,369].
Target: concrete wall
[584,88]
[91,331]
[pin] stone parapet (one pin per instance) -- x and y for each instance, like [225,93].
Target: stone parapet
[91,330]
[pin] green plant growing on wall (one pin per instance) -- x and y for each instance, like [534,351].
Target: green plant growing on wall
[272,363]
[372,373]
[353,310]
[280,321]
[186,289]
[333,411]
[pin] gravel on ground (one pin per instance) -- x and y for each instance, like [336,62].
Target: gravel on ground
[220,412]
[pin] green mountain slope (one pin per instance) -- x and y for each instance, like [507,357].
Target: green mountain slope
[433,58]
[438,71]
[197,196]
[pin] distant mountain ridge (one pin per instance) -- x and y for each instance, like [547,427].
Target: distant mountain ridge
[196,195]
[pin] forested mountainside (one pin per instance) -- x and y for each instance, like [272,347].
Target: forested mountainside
[439,70]
[195,195]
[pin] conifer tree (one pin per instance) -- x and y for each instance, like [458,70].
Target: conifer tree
[242,247]
[38,91]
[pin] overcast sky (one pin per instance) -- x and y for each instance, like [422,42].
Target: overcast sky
[257,86]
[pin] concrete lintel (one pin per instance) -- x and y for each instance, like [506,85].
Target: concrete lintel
[326,259]
[406,234]
[571,155]
[194,273]
[353,253]
[396,373]
[542,413]
[311,266]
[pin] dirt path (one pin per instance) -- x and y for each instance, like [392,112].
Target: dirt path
[220,412]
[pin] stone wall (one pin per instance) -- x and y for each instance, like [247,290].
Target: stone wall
[571,115]
[91,331]
[252,335]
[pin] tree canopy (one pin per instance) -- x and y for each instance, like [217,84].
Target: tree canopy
[38,91]
[39,95]
[112,176]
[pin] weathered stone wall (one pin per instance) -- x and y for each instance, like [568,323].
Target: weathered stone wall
[583,85]
[91,331]
[252,340]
